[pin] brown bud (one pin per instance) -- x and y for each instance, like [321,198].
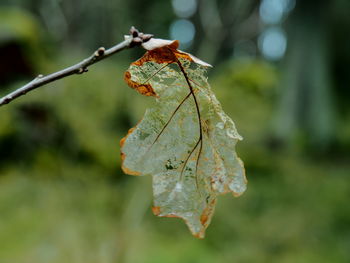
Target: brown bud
[134,32]
[146,37]
[100,51]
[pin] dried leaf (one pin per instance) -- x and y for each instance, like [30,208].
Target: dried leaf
[186,141]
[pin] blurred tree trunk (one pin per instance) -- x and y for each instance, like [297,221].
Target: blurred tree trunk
[306,108]
[221,24]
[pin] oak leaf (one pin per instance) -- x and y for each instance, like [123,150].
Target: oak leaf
[186,141]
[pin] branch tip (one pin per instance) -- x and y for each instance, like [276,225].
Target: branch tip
[146,37]
[136,41]
[134,32]
[136,38]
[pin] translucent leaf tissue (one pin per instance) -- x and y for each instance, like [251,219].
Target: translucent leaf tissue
[186,141]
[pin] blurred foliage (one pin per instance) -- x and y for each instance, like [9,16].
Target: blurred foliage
[63,197]
[314,83]
[80,124]
[19,45]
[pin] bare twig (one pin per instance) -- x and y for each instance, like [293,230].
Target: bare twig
[136,38]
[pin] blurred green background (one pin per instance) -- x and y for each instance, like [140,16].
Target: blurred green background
[281,71]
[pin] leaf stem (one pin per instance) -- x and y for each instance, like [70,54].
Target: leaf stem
[200,140]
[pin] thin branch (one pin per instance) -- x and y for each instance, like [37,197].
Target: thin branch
[136,38]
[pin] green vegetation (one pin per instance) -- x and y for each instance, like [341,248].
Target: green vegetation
[63,197]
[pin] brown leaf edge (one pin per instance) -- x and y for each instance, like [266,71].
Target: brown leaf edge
[204,218]
[144,89]
[123,156]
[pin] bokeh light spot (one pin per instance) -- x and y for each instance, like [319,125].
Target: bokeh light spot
[184,31]
[272,11]
[273,43]
[184,8]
